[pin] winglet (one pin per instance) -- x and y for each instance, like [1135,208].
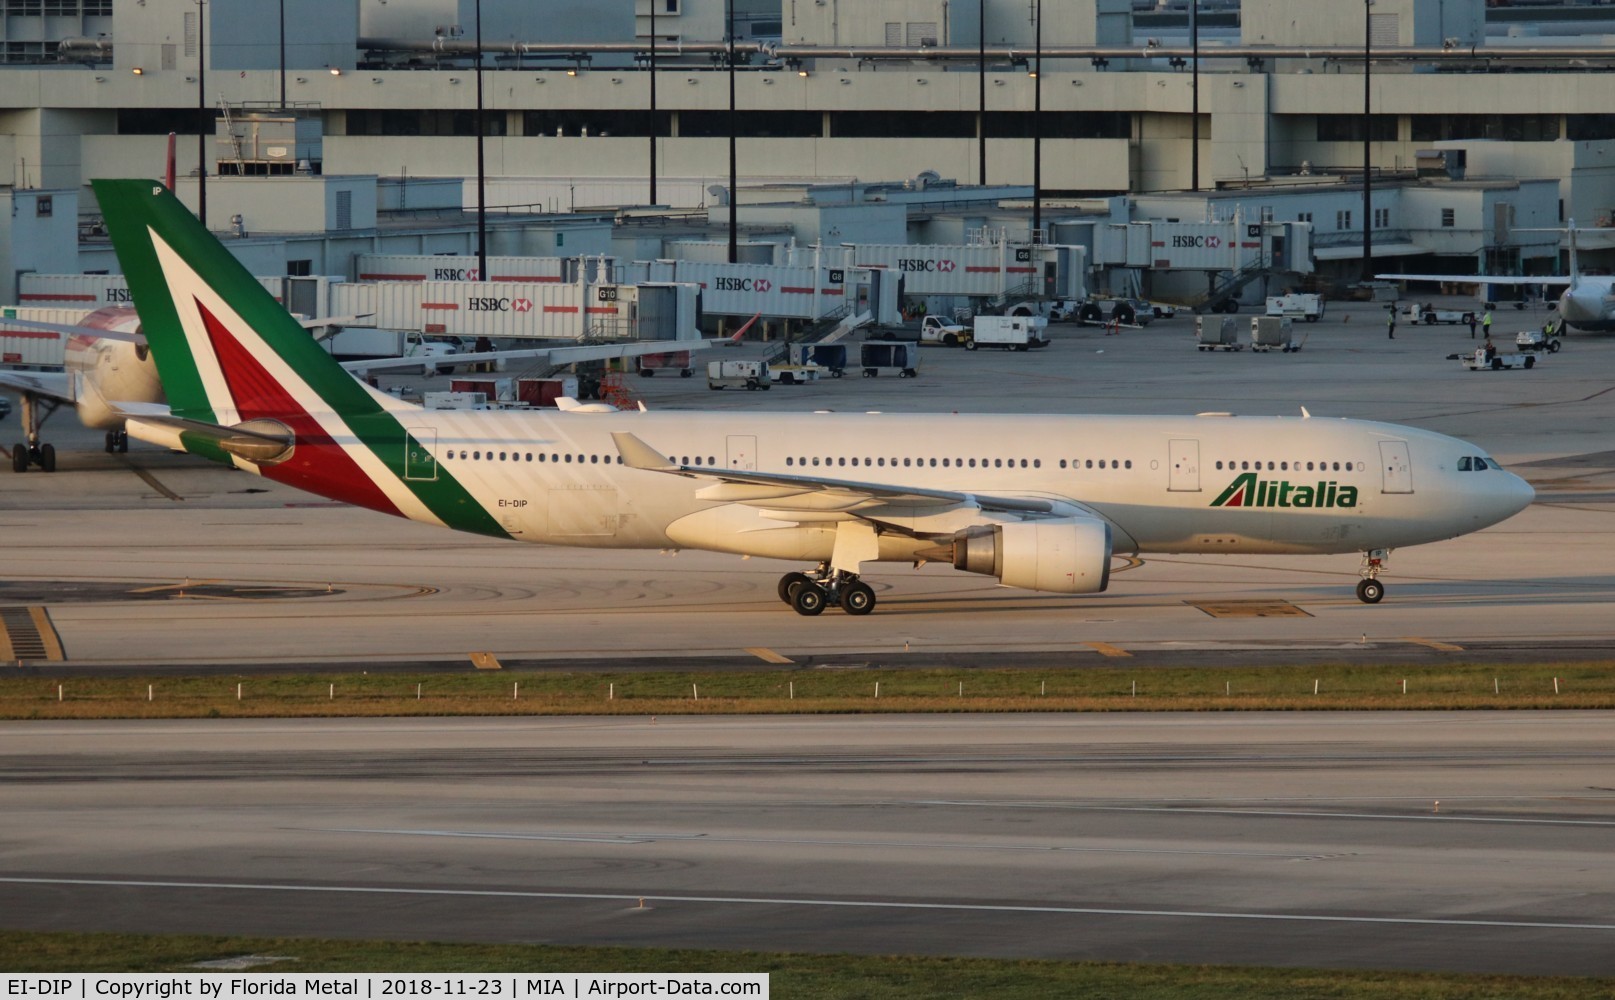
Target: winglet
[636,454]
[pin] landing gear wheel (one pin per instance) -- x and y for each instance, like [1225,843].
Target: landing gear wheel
[790,583]
[47,457]
[857,598]
[112,442]
[809,600]
[1370,591]
[19,458]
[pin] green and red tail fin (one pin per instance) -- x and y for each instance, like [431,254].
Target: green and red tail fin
[226,350]
[228,353]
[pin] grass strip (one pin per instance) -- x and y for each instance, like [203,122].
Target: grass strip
[792,977]
[813,691]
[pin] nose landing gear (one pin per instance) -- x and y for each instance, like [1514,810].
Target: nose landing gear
[809,594]
[1369,589]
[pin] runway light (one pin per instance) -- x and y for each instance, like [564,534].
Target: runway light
[335,71]
[137,71]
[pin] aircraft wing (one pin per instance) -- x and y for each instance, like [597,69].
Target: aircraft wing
[53,385]
[1480,279]
[553,355]
[813,494]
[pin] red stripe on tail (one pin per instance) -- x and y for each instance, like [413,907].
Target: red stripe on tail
[318,464]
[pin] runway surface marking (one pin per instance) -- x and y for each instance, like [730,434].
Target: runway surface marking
[651,838]
[1106,649]
[799,901]
[1443,647]
[486,661]
[1294,813]
[27,634]
[768,655]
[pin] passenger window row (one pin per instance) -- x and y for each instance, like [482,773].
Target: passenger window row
[528,456]
[1112,463]
[1294,466]
[916,463]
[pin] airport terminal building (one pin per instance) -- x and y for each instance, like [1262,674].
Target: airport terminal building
[1482,120]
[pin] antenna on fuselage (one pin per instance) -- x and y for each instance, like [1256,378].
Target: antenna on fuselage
[1304,414]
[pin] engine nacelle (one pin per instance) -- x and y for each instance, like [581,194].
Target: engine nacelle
[1059,556]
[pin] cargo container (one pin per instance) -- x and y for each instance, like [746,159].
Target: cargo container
[889,357]
[746,374]
[671,361]
[494,390]
[831,357]
[455,401]
[1213,333]
[545,391]
[1268,332]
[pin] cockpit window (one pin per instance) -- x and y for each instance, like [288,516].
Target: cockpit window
[1475,463]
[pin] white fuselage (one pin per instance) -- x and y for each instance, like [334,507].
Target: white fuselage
[1165,484]
[1588,305]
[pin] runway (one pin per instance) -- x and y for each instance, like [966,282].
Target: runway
[1454,841]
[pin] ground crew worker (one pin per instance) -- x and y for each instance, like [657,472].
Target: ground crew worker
[1390,321]
[1486,323]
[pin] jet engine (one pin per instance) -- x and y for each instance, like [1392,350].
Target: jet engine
[1060,556]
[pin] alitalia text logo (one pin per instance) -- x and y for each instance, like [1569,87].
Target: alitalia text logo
[1249,491]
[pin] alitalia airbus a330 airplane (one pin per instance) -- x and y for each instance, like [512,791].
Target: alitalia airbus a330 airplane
[1041,503]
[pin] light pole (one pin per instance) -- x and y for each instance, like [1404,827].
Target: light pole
[981,80]
[482,194]
[1037,128]
[1368,166]
[283,55]
[653,4]
[734,233]
[201,112]
[1194,89]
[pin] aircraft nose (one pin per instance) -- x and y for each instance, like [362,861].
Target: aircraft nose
[1513,495]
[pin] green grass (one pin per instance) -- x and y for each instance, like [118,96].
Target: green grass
[1057,689]
[792,977]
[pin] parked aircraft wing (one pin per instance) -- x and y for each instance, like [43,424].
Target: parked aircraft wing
[53,385]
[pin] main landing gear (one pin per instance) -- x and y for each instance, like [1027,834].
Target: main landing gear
[810,593]
[117,442]
[33,452]
[1369,589]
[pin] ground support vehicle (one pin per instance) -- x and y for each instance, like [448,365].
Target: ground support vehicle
[831,357]
[1479,362]
[1010,333]
[1533,341]
[1299,305]
[1417,312]
[795,374]
[939,330]
[739,374]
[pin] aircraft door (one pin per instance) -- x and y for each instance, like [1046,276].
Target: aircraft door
[743,452]
[1184,458]
[1396,467]
[1051,280]
[420,455]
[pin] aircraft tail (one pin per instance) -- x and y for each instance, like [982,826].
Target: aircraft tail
[231,358]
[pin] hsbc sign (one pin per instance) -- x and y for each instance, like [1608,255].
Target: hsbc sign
[924,264]
[1197,242]
[456,274]
[743,284]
